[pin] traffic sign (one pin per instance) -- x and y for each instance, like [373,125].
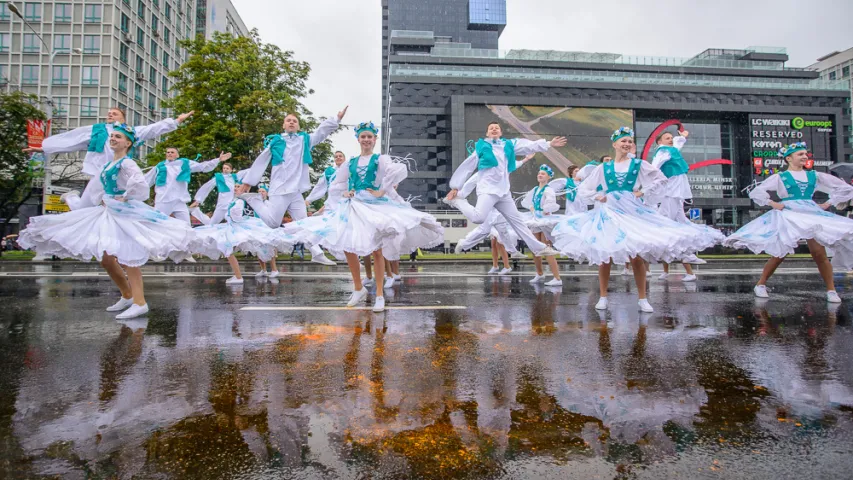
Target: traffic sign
[694,213]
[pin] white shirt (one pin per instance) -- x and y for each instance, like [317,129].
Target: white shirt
[647,179]
[224,198]
[130,179]
[548,203]
[320,189]
[388,174]
[838,190]
[77,140]
[495,181]
[175,191]
[677,186]
[291,175]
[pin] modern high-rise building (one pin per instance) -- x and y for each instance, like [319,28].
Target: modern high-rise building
[105,54]
[836,66]
[218,16]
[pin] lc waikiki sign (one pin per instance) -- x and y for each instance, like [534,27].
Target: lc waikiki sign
[768,134]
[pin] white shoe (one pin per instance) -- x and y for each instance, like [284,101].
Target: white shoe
[262,273]
[122,304]
[554,282]
[518,255]
[190,259]
[234,281]
[602,304]
[547,252]
[760,291]
[274,274]
[494,270]
[133,312]
[397,278]
[322,260]
[625,272]
[389,283]
[458,249]
[367,282]
[68,194]
[832,297]
[645,306]
[689,278]
[505,271]
[663,276]
[693,260]
[250,196]
[537,278]
[379,305]
[357,297]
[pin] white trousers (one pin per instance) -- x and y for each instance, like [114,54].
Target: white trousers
[272,212]
[177,209]
[506,206]
[482,232]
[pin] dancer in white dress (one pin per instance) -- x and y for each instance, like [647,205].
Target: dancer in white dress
[171,178]
[798,217]
[120,230]
[225,184]
[367,221]
[494,160]
[290,155]
[671,195]
[541,203]
[569,185]
[240,233]
[94,140]
[620,228]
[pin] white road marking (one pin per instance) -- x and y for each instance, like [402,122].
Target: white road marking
[290,308]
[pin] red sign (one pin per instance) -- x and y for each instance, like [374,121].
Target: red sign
[36,131]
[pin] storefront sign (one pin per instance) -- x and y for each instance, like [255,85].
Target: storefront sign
[52,204]
[770,133]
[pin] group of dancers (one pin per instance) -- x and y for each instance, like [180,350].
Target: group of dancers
[621,209]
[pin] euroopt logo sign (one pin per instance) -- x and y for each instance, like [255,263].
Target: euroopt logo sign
[799,123]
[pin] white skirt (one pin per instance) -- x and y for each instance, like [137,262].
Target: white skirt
[623,228]
[250,235]
[364,224]
[778,232]
[131,231]
[538,222]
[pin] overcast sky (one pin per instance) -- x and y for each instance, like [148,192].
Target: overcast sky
[342,39]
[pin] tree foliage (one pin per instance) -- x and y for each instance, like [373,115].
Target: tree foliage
[240,89]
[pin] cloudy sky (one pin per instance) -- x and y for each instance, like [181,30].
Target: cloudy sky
[342,39]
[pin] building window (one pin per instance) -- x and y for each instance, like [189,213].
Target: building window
[152,102]
[32,12]
[155,23]
[152,75]
[832,75]
[4,74]
[62,43]
[89,107]
[459,223]
[30,75]
[140,37]
[122,82]
[31,43]
[140,65]
[153,49]
[123,52]
[140,9]
[125,23]
[156,3]
[60,107]
[166,60]
[167,36]
[165,84]
[122,107]
[168,12]
[93,13]
[61,74]
[91,75]
[5,42]
[62,12]
[845,71]
[137,92]
[5,14]
[126,2]
[137,118]
[91,43]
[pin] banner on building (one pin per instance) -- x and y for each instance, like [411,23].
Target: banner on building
[36,131]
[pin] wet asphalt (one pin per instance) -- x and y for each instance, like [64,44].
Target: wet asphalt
[466,376]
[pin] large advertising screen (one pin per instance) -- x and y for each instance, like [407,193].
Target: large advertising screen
[588,131]
[769,133]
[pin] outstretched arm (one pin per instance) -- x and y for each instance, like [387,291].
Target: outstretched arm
[465,170]
[327,127]
[76,140]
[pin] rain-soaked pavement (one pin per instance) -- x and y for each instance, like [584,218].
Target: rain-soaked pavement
[480,377]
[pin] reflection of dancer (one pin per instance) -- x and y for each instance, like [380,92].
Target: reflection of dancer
[494,159]
[621,228]
[290,155]
[797,217]
[670,196]
[542,203]
[119,231]
[171,178]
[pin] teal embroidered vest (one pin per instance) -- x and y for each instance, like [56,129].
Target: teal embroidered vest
[99,138]
[109,178]
[621,182]
[330,175]
[795,188]
[221,185]
[537,198]
[487,157]
[184,176]
[676,164]
[362,178]
[571,189]
[278,145]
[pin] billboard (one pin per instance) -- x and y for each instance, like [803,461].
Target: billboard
[588,131]
[769,133]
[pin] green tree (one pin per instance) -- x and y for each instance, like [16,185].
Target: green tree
[240,89]
[16,174]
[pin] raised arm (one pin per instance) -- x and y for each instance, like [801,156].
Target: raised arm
[204,191]
[259,167]
[204,167]
[76,140]
[158,129]
[318,191]
[465,170]
[327,127]
[524,146]
[678,142]
[558,184]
